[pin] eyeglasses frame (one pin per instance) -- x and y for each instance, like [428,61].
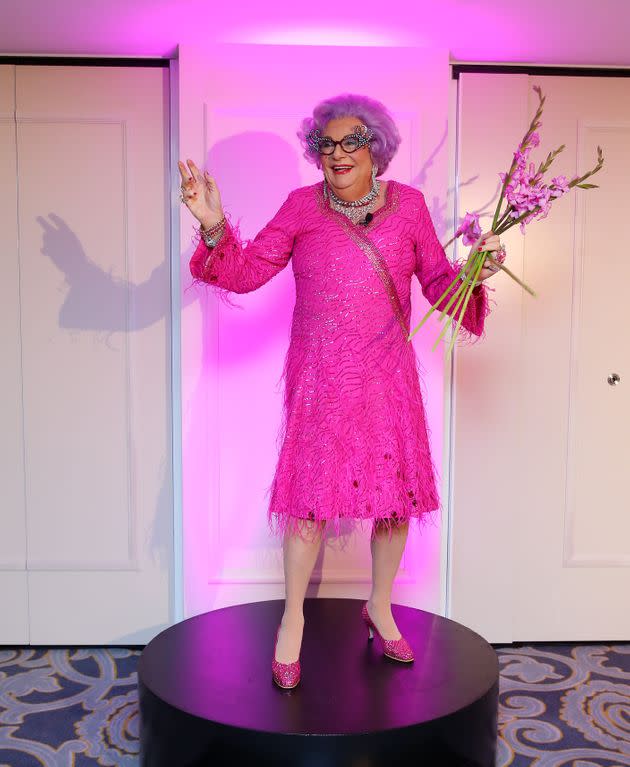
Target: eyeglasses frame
[362,133]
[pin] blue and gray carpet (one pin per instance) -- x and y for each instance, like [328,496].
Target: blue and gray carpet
[560,706]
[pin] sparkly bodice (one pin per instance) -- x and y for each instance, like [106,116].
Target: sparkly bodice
[331,277]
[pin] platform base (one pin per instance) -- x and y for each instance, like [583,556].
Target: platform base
[207,696]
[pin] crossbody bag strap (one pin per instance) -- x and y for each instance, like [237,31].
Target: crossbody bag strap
[375,257]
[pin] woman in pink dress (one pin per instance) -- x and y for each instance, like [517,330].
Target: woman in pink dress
[354,439]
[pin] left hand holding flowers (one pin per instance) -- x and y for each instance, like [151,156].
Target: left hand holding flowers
[527,196]
[489,243]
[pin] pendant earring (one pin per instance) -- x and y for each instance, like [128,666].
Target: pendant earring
[374,172]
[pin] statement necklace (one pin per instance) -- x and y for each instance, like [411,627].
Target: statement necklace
[355,210]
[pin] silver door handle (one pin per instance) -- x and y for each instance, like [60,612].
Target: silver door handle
[613,379]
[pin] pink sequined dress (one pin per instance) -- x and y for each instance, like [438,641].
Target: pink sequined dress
[354,442]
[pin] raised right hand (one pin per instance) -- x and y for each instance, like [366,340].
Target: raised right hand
[201,194]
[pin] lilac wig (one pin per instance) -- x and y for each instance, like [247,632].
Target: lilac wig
[368,111]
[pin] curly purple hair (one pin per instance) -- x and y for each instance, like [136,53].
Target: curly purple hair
[369,111]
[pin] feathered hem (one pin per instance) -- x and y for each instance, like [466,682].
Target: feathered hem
[341,527]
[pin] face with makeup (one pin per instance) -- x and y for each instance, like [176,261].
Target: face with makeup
[349,173]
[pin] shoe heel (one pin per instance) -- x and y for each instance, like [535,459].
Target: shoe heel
[368,622]
[396,649]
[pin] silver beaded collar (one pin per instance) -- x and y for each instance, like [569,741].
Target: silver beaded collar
[361,202]
[355,210]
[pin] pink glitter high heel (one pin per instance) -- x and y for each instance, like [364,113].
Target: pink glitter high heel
[285,675]
[396,649]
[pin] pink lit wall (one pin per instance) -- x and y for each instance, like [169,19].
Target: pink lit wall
[239,110]
[578,32]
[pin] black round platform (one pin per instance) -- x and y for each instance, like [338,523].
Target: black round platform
[207,695]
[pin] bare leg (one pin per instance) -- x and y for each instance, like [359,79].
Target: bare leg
[300,555]
[386,555]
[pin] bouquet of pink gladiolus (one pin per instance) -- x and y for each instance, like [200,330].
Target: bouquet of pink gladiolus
[526,196]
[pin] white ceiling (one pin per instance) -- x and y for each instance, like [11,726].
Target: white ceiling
[577,32]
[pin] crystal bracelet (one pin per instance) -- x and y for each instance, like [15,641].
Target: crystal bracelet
[212,242]
[214,227]
[213,234]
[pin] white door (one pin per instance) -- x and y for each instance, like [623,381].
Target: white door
[240,109]
[87,549]
[541,548]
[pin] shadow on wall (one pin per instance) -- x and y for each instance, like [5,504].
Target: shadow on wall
[255,172]
[98,302]
[95,299]
[441,210]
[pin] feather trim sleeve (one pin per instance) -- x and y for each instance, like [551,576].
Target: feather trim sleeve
[435,273]
[241,266]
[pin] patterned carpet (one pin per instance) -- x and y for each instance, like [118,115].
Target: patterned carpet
[564,706]
[560,706]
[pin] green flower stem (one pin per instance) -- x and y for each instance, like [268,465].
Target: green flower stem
[464,276]
[513,276]
[504,218]
[435,306]
[461,294]
[544,166]
[514,221]
[501,193]
[472,285]
[453,298]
